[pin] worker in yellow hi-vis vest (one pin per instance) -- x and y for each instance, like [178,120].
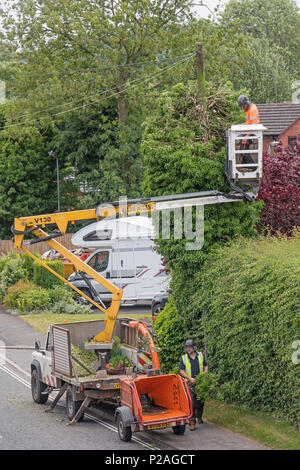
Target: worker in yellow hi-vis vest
[193,363]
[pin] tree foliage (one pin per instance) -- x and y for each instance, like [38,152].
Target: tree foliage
[265,75]
[184,151]
[27,179]
[79,47]
[275,21]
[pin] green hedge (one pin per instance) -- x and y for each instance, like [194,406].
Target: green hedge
[248,303]
[168,327]
[44,278]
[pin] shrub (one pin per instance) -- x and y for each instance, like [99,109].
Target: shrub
[205,385]
[35,299]
[12,271]
[60,293]
[5,259]
[70,308]
[169,328]
[26,296]
[247,300]
[28,263]
[3,290]
[44,278]
[280,190]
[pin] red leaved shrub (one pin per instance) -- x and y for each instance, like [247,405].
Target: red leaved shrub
[280,190]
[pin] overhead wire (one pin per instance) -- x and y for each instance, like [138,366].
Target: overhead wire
[142,80]
[116,66]
[74,101]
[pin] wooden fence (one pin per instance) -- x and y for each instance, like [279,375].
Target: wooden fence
[7,246]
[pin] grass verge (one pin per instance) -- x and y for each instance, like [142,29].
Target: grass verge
[41,321]
[259,426]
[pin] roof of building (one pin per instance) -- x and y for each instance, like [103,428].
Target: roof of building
[278,117]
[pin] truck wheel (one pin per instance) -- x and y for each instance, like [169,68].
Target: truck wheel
[37,388]
[72,406]
[179,430]
[125,433]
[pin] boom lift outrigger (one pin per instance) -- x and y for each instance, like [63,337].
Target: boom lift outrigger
[236,172]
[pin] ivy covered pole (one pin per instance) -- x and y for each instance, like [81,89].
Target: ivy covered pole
[200,73]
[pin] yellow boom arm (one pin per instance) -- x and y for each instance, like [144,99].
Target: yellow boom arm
[36,224]
[61,220]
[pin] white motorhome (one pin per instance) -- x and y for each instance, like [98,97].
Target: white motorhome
[123,251]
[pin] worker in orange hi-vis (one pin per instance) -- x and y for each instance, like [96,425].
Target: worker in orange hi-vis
[252,117]
[251,110]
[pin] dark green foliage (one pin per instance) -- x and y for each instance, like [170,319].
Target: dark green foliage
[82,142]
[169,328]
[247,302]
[27,179]
[44,278]
[205,385]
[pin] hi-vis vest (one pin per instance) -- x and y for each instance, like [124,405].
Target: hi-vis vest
[187,363]
[252,115]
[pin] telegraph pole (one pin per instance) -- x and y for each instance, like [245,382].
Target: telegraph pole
[200,73]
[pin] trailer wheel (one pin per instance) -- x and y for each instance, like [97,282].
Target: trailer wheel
[125,433]
[179,430]
[72,406]
[37,388]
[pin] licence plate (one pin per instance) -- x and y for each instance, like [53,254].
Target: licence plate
[116,385]
[159,426]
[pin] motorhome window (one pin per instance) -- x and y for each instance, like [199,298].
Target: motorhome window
[99,261]
[97,235]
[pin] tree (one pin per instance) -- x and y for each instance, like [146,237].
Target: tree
[277,21]
[265,75]
[80,52]
[184,151]
[280,190]
[27,179]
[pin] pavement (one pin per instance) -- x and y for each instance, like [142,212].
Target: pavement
[24,425]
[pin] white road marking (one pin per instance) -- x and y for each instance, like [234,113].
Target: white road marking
[15,376]
[96,420]
[14,364]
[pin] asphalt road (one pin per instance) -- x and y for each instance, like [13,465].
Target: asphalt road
[25,425]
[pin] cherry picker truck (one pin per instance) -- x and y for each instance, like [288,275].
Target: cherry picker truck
[53,368]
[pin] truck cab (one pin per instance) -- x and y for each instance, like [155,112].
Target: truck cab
[42,380]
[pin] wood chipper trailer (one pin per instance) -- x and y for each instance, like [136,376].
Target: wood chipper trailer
[144,398]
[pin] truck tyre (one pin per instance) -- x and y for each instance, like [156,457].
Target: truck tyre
[72,406]
[37,388]
[125,433]
[179,430]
